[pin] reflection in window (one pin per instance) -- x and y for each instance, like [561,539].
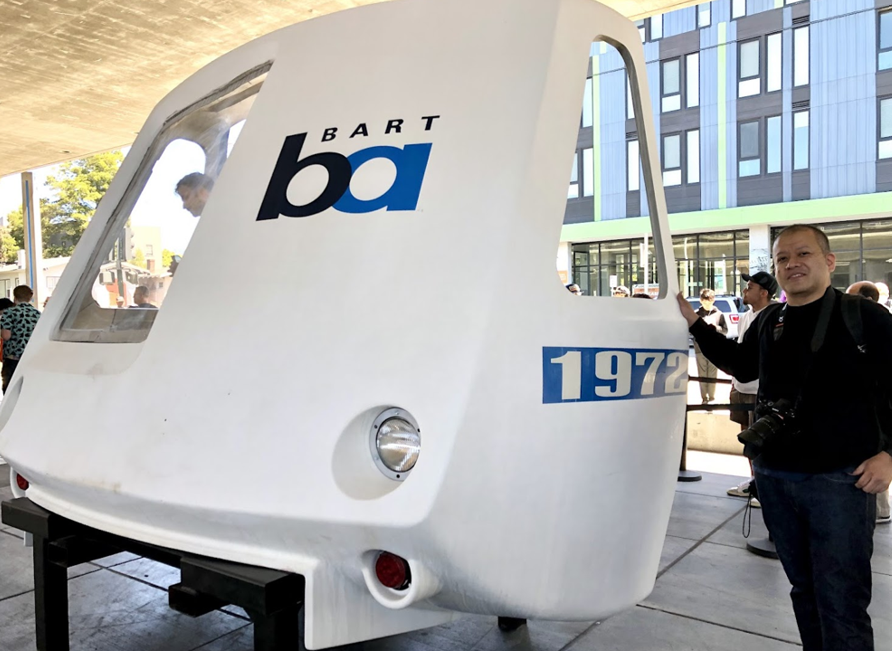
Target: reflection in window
[800,56]
[131,272]
[573,190]
[885,40]
[749,83]
[774,62]
[704,16]
[632,166]
[749,160]
[693,163]
[588,173]
[656,27]
[773,145]
[671,79]
[587,104]
[800,140]
[886,128]
[692,79]
[672,160]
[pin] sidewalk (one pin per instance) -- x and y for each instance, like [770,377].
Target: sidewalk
[711,595]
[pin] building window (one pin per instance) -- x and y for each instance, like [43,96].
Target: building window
[749,158]
[738,8]
[656,27]
[150,250]
[773,145]
[692,80]
[588,173]
[800,140]
[800,56]
[704,15]
[693,162]
[886,128]
[672,159]
[632,166]
[885,40]
[573,191]
[671,85]
[642,30]
[630,106]
[749,82]
[774,62]
[587,104]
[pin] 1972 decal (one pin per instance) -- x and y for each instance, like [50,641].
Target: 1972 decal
[590,374]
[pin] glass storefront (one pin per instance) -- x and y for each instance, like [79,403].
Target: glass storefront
[713,260]
[863,251]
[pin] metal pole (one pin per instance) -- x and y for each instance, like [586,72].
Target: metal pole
[32,236]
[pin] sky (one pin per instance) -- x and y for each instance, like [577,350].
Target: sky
[158,204]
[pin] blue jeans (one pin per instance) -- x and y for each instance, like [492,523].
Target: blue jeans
[823,529]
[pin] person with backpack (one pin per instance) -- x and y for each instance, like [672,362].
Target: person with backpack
[818,450]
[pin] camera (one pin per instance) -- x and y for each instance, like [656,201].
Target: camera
[777,418]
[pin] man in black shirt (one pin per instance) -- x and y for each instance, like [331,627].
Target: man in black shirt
[819,473]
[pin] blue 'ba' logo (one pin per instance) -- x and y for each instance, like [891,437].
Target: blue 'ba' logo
[410,162]
[592,374]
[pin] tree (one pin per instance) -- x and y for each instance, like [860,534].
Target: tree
[138,259]
[166,258]
[77,189]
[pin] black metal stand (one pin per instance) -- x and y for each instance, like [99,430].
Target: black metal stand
[762,547]
[271,598]
[684,474]
[509,624]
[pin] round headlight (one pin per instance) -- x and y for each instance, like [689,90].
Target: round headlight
[396,443]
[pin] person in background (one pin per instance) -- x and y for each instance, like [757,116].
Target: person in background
[620,292]
[883,289]
[141,298]
[641,295]
[573,288]
[16,326]
[706,369]
[5,304]
[871,292]
[194,189]
[760,289]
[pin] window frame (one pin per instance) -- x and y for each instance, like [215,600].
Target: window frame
[807,140]
[671,96]
[664,169]
[574,178]
[111,238]
[780,145]
[796,40]
[688,157]
[780,63]
[701,12]
[880,49]
[880,138]
[687,80]
[741,80]
[629,165]
[759,157]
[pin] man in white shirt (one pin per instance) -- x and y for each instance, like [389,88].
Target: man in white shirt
[761,287]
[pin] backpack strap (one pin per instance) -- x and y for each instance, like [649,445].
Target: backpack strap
[851,315]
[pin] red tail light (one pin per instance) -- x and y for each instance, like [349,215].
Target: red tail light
[392,571]
[23,483]
[735,318]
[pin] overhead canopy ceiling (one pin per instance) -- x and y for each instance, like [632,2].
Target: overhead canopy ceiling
[81,76]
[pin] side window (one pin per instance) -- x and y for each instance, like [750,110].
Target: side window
[148,233]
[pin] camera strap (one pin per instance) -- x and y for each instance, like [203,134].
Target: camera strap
[817,340]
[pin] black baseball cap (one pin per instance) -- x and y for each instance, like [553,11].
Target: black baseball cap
[764,280]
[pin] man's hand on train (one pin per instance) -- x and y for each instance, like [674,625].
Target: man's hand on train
[687,310]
